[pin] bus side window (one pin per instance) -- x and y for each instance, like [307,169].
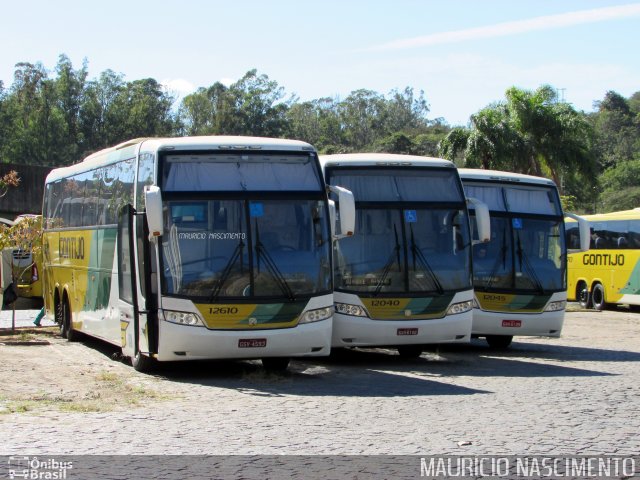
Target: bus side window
[573,238]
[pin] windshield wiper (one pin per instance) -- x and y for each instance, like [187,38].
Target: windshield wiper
[395,255]
[237,254]
[417,254]
[524,260]
[502,256]
[271,266]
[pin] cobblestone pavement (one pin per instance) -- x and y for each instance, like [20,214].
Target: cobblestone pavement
[579,394]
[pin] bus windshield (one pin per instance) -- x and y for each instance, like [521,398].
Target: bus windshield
[412,232]
[523,254]
[244,237]
[527,239]
[396,250]
[214,249]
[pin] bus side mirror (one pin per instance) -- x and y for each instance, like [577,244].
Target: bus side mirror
[584,231]
[483,220]
[332,217]
[153,207]
[347,207]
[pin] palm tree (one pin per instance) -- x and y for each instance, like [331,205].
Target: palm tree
[529,132]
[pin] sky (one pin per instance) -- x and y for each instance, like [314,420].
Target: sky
[463,54]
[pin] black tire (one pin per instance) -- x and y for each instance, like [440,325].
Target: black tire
[582,295]
[66,330]
[499,342]
[58,315]
[143,364]
[634,308]
[275,364]
[410,351]
[597,297]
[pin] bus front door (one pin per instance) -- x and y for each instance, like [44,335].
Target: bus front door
[136,337]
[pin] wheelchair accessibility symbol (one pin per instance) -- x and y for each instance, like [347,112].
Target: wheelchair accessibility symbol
[410,216]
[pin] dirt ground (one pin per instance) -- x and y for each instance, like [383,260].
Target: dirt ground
[39,370]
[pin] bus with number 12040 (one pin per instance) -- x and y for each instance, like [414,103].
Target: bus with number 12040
[404,279]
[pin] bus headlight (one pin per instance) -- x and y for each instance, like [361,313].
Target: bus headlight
[316,315]
[183,318]
[556,306]
[461,307]
[348,309]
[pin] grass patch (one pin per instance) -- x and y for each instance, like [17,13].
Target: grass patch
[109,391]
[40,331]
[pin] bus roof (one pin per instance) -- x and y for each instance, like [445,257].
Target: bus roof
[621,215]
[500,176]
[382,160]
[128,149]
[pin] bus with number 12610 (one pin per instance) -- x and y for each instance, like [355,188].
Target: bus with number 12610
[194,248]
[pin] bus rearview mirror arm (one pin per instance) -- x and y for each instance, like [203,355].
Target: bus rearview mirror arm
[483,220]
[347,207]
[585,233]
[153,207]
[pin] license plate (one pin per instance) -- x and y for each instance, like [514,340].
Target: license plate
[252,343]
[407,331]
[512,323]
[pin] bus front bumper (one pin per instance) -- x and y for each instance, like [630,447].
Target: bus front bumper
[545,324]
[353,331]
[180,342]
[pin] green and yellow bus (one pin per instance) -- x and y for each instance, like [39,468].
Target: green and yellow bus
[194,248]
[27,263]
[519,277]
[404,279]
[609,273]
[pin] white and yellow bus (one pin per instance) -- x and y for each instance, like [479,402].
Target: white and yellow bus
[519,276]
[404,279]
[194,248]
[609,273]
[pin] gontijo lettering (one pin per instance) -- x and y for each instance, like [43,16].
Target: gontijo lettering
[71,247]
[603,259]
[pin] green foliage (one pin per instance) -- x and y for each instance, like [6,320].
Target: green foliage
[620,187]
[57,117]
[529,132]
[569,203]
[618,129]
[25,234]
[251,106]
[614,200]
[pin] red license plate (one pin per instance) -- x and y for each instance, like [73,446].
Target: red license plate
[512,323]
[252,343]
[407,331]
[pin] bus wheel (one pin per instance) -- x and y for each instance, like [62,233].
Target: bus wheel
[66,328]
[410,351]
[597,297]
[142,363]
[275,364]
[59,311]
[499,341]
[582,294]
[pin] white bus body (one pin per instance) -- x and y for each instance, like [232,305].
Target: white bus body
[193,248]
[404,279]
[520,275]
